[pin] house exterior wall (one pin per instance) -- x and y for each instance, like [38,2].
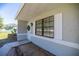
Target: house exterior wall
[22,30]
[54,46]
[71,25]
[69,21]
[66,40]
[22,26]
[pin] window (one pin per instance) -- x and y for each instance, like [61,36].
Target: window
[45,27]
[39,27]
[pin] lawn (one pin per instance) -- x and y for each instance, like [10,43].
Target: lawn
[3,35]
[4,38]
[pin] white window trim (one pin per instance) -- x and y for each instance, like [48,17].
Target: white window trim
[58,26]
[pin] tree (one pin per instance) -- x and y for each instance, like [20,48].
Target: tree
[11,27]
[13,31]
[1,23]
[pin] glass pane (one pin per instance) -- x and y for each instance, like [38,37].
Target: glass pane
[51,34]
[46,20]
[39,27]
[39,21]
[39,33]
[51,18]
[51,24]
[46,24]
[46,28]
[51,29]
[46,33]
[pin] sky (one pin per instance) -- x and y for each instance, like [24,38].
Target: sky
[8,12]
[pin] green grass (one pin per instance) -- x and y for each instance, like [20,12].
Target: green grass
[4,38]
[3,35]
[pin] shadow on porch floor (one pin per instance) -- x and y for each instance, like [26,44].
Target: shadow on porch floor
[28,49]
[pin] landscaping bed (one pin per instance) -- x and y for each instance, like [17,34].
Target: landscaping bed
[7,38]
[4,41]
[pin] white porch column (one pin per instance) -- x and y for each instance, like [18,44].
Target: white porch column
[22,30]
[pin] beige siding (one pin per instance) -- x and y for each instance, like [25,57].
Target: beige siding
[71,24]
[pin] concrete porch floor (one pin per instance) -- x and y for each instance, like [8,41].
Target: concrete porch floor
[23,48]
[28,49]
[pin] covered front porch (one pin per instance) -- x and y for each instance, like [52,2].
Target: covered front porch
[65,15]
[46,29]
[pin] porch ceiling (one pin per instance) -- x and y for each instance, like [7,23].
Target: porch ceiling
[31,10]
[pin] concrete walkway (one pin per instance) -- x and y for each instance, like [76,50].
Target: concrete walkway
[5,49]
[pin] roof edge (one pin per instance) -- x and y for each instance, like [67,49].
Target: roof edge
[19,10]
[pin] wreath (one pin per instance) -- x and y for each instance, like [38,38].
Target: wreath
[28,28]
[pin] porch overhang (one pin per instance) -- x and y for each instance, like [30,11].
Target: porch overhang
[31,10]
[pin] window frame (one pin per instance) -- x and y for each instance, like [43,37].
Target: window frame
[42,28]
